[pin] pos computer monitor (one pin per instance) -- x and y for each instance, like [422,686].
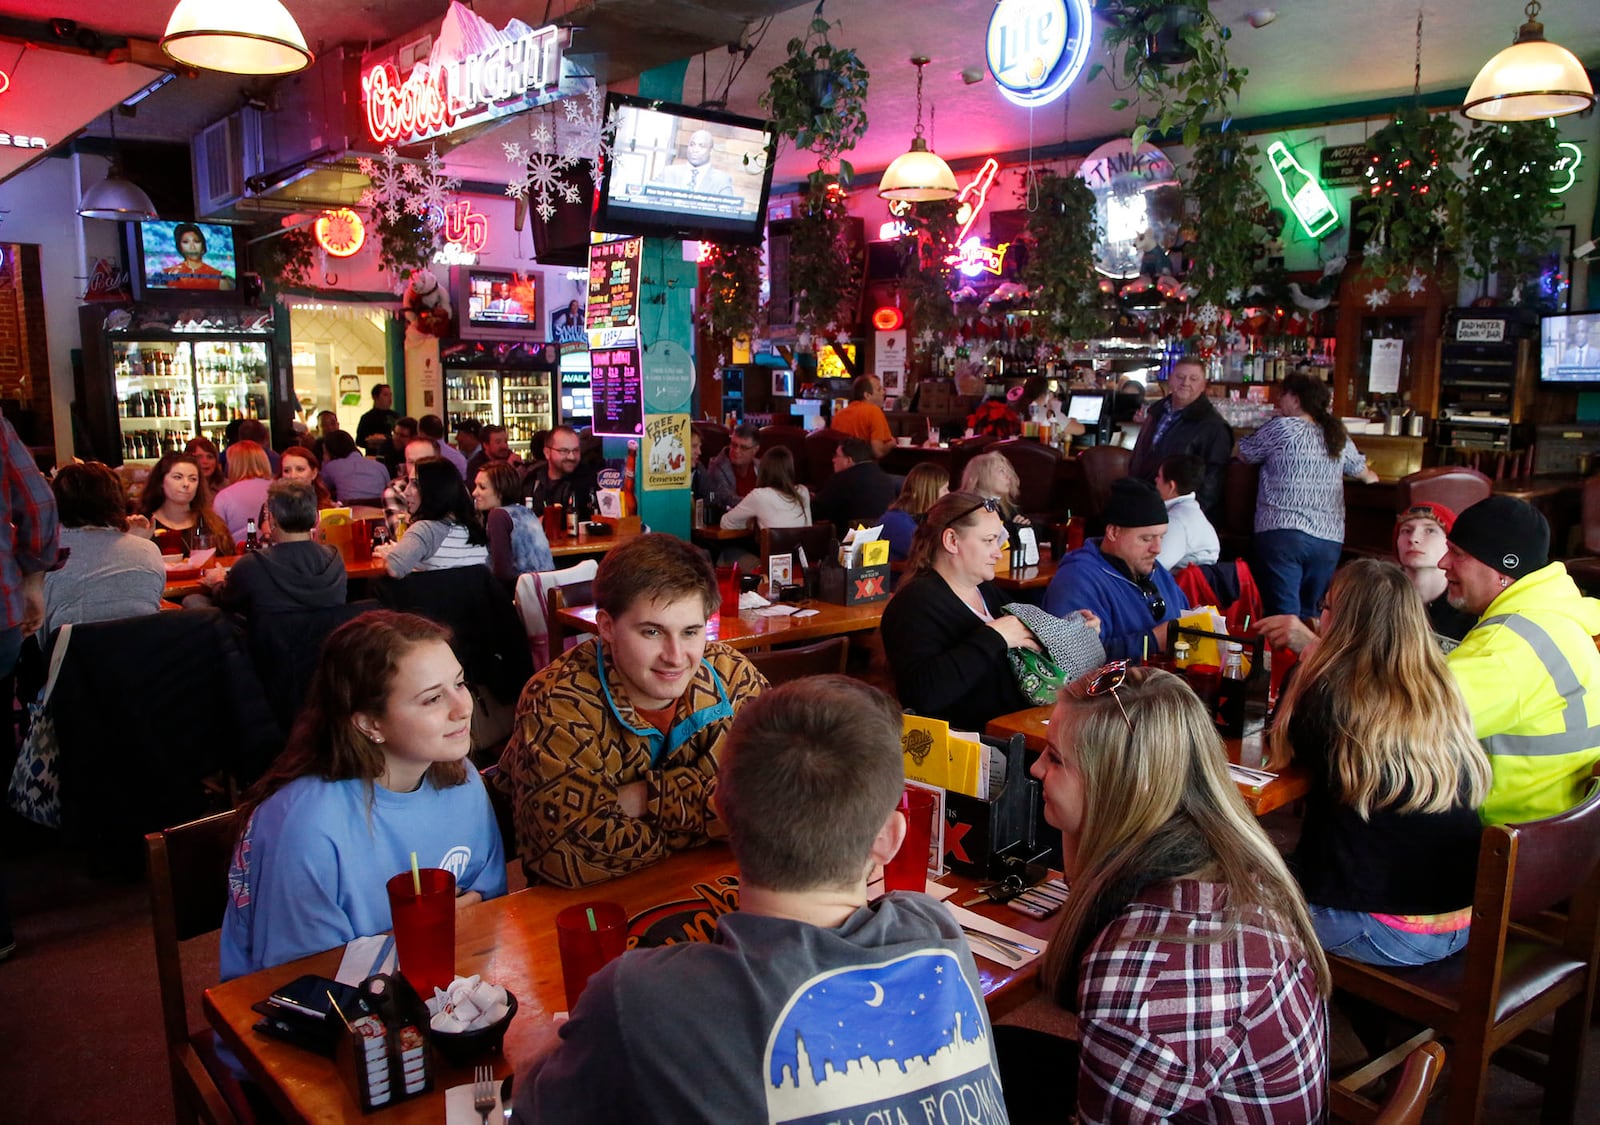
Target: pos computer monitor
[1088,407]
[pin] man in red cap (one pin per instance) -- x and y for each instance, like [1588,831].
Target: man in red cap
[1419,542]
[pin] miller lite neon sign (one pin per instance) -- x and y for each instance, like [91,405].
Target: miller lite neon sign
[506,71]
[1035,48]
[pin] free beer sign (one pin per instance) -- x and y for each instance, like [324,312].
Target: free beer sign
[1037,47]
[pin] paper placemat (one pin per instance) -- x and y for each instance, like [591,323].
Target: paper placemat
[986,925]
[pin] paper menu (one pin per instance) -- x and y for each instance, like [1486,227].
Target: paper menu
[936,755]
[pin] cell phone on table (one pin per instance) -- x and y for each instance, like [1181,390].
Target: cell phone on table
[308,996]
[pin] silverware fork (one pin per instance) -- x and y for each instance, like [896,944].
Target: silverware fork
[483,1095]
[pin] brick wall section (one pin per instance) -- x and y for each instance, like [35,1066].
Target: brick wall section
[24,348]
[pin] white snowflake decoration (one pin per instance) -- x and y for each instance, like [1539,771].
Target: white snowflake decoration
[1207,315]
[588,134]
[538,177]
[1377,298]
[1441,214]
[1416,283]
[399,188]
[1516,297]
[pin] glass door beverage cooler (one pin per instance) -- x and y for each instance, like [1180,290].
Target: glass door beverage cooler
[148,388]
[510,384]
[577,402]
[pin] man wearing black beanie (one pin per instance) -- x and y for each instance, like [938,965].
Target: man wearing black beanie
[1529,670]
[1118,578]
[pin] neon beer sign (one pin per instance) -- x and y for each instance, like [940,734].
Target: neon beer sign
[455,88]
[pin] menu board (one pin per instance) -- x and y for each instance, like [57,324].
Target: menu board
[615,384]
[613,313]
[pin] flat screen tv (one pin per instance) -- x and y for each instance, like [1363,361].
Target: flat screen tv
[1569,350]
[182,256]
[680,172]
[494,302]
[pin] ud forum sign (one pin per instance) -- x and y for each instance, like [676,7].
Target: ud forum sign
[1037,47]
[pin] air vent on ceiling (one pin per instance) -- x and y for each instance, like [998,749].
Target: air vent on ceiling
[224,155]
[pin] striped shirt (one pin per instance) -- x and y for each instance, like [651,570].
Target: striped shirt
[1302,488]
[1183,1016]
[434,545]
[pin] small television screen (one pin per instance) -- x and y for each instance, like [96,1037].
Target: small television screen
[501,299]
[681,172]
[175,255]
[1569,350]
[1086,408]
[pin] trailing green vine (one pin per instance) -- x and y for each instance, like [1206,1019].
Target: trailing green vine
[406,244]
[289,261]
[818,96]
[732,288]
[1416,196]
[1060,273]
[824,275]
[1507,201]
[1168,95]
[925,245]
[1229,213]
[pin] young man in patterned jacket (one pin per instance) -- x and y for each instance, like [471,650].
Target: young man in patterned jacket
[613,759]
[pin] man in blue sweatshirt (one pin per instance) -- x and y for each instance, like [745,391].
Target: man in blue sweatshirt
[1119,578]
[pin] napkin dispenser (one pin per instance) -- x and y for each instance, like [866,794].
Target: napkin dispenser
[387,1057]
[984,835]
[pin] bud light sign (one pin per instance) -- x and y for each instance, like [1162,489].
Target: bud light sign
[1037,47]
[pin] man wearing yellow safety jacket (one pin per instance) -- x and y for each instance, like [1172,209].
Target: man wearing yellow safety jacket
[1529,669]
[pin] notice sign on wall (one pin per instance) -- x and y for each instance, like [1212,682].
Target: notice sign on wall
[615,383]
[1384,376]
[666,452]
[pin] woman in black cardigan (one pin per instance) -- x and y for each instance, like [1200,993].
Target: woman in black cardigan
[943,631]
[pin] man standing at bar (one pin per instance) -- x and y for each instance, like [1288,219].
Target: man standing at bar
[1186,422]
[613,756]
[1117,577]
[864,417]
[380,419]
[1528,670]
[812,1003]
[563,480]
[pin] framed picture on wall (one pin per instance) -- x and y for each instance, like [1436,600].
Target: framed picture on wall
[782,382]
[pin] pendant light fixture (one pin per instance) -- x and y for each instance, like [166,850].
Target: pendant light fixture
[236,37]
[1530,79]
[117,198]
[918,175]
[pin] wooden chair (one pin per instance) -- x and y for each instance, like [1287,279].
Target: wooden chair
[817,539]
[790,437]
[559,598]
[713,440]
[188,868]
[1585,568]
[1454,486]
[780,665]
[1036,465]
[1102,464]
[1516,969]
[532,602]
[1407,1099]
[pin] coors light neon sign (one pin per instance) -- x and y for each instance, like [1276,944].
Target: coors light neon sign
[473,74]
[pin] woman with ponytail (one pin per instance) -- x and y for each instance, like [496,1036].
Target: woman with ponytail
[1304,454]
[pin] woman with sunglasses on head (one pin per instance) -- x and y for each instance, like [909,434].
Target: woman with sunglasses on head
[943,630]
[445,531]
[1184,948]
[1388,854]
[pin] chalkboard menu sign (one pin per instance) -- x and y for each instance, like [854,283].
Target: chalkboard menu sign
[613,316]
[614,381]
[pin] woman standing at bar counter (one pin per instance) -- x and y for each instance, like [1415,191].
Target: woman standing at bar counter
[943,630]
[175,509]
[375,770]
[1389,851]
[1305,455]
[1185,947]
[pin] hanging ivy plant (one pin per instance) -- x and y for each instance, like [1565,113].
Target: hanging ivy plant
[1171,57]
[818,96]
[823,274]
[1507,202]
[732,291]
[925,246]
[289,261]
[1415,194]
[405,244]
[1060,273]
[1229,213]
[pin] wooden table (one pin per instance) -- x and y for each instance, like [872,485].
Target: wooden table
[179,588]
[511,941]
[566,546]
[1290,785]
[748,630]
[1020,578]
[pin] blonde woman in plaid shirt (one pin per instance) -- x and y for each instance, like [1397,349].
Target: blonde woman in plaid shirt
[1185,948]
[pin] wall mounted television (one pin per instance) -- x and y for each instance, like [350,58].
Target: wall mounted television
[1569,351]
[491,302]
[680,172]
[187,258]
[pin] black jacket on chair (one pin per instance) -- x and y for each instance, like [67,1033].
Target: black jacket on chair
[145,708]
[487,633]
